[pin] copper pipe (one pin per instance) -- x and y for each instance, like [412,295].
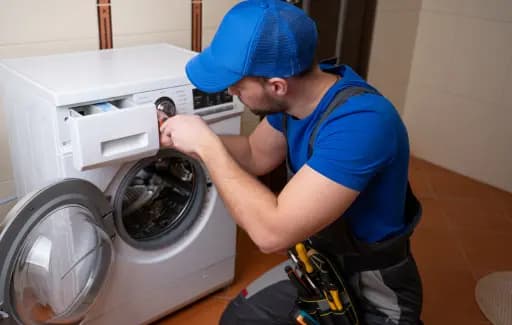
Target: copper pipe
[104,24]
[197,25]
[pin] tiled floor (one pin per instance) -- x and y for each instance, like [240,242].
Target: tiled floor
[465,233]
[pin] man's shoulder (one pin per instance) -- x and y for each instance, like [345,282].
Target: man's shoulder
[365,123]
[362,107]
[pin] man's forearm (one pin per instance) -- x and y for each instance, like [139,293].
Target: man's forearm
[239,148]
[252,205]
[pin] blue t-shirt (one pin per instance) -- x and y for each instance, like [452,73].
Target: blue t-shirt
[362,145]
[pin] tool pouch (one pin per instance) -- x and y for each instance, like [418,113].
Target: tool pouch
[329,300]
[327,317]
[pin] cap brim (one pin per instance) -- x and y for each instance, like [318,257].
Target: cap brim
[207,75]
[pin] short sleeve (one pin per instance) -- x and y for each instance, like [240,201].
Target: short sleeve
[352,147]
[276,121]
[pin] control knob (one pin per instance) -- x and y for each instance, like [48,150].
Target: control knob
[166,105]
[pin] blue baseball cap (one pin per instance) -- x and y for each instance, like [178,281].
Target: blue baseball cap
[258,38]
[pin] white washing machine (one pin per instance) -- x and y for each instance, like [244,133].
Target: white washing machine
[108,229]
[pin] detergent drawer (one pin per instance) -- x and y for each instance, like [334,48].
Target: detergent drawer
[112,131]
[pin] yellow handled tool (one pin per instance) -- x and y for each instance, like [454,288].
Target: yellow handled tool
[303,256]
[330,300]
[336,299]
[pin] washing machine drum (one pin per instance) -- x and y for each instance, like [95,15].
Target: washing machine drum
[160,199]
[56,252]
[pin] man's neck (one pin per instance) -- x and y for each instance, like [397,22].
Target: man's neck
[307,92]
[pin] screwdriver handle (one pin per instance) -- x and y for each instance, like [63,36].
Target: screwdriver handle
[303,256]
[330,300]
[336,299]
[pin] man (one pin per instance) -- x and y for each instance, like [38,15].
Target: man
[355,172]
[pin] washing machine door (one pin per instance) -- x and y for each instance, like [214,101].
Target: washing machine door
[55,254]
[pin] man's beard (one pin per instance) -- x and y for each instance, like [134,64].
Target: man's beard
[271,107]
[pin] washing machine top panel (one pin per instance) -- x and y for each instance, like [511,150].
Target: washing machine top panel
[73,78]
[56,253]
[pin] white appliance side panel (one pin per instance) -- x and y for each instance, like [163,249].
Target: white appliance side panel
[152,305]
[151,273]
[32,135]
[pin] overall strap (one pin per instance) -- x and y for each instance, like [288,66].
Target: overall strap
[339,99]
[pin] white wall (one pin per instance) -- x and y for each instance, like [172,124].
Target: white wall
[33,27]
[39,28]
[139,22]
[459,104]
[30,27]
[392,50]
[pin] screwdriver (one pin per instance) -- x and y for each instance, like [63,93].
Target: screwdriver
[297,282]
[303,256]
[303,318]
[306,280]
[336,298]
[162,117]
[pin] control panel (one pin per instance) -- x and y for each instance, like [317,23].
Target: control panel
[189,100]
[203,100]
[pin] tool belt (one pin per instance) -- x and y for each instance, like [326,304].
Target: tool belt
[326,260]
[323,296]
[338,242]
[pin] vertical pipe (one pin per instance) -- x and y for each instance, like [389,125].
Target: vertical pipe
[104,24]
[197,25]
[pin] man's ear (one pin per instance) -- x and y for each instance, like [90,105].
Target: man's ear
[278,86]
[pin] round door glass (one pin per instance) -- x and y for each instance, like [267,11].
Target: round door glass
[159,200]
[57,268]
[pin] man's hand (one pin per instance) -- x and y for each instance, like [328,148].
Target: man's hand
[187,133]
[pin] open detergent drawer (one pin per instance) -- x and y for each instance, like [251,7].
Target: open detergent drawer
[111,132]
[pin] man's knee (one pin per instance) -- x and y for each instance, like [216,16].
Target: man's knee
[229,316]
[240,311]
[270,305]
